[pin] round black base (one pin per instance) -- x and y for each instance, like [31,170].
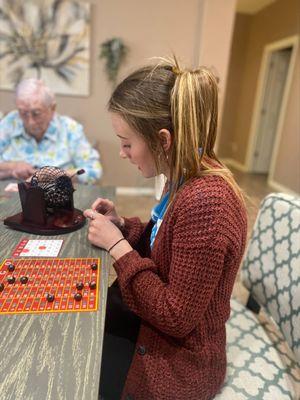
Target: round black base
[57,224]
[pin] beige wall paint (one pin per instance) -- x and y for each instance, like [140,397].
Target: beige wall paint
[150,29]
[278,21]
[198,31]
[287,167]
[236,79]
[216,36]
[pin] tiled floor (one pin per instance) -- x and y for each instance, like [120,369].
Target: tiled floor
[254,186]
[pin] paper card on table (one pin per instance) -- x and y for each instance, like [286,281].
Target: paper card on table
[38,248]
[11,187]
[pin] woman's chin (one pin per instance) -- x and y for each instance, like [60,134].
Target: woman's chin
[146,174]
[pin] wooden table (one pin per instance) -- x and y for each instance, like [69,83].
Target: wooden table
[53,356]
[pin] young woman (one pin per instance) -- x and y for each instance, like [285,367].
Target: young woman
[165,325]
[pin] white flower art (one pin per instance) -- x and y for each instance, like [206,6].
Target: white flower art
[46,39]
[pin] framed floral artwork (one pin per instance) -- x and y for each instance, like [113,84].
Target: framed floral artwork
[46,39]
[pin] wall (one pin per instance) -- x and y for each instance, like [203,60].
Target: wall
[287,167]
[216,37]
[251,35]
[150,29]
[229,135]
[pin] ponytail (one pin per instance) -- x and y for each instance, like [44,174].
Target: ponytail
[194,110]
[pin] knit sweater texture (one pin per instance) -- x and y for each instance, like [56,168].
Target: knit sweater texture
[181,290]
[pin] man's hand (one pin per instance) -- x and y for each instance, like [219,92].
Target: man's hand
[21,170]
[72,174]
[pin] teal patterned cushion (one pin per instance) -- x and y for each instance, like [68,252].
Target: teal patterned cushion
[259,364]
[271,268]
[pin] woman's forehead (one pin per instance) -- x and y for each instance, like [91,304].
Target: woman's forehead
[121,127]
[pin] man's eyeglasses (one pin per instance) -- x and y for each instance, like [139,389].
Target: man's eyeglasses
[35,114]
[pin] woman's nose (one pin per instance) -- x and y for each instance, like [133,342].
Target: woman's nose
[122,154]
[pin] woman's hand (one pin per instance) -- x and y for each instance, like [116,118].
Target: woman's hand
[107,208]
[104,233]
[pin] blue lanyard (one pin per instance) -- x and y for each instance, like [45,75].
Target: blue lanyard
[157,215]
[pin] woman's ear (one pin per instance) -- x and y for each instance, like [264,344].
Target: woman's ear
[165,139]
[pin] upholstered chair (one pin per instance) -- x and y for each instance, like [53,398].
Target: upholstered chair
[263,337]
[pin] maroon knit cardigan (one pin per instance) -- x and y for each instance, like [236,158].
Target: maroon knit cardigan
[181,290]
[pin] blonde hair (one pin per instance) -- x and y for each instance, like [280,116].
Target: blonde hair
[185,102]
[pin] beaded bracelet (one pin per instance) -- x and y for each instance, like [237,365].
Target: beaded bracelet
[115,244]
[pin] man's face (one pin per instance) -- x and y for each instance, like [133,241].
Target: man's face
[35,115]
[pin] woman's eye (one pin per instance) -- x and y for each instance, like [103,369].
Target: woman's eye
[126,146]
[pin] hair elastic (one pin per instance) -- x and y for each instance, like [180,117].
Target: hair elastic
[176,70]
[115,244]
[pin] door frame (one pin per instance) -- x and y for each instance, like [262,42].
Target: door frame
[293,42]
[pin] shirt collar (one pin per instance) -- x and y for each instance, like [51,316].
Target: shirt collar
[53,129]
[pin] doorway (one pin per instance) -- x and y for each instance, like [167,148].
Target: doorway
[271,99]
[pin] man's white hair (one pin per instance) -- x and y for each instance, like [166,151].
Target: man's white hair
[28,88]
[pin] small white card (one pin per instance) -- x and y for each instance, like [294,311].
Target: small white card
[11,187]
[38,248]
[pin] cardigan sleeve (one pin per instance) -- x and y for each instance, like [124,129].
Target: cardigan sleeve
[133,229]
[198,250]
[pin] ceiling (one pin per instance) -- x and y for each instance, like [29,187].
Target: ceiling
[252,6]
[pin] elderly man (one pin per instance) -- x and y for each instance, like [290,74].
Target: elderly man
[35,135]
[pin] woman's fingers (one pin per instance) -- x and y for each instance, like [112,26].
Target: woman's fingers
[96,203]
[102,206]
[101,231]
[89,213]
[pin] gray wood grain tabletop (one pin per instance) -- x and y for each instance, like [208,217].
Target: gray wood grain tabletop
[53,356]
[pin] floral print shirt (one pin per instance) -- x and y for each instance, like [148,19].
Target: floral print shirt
[63,145]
